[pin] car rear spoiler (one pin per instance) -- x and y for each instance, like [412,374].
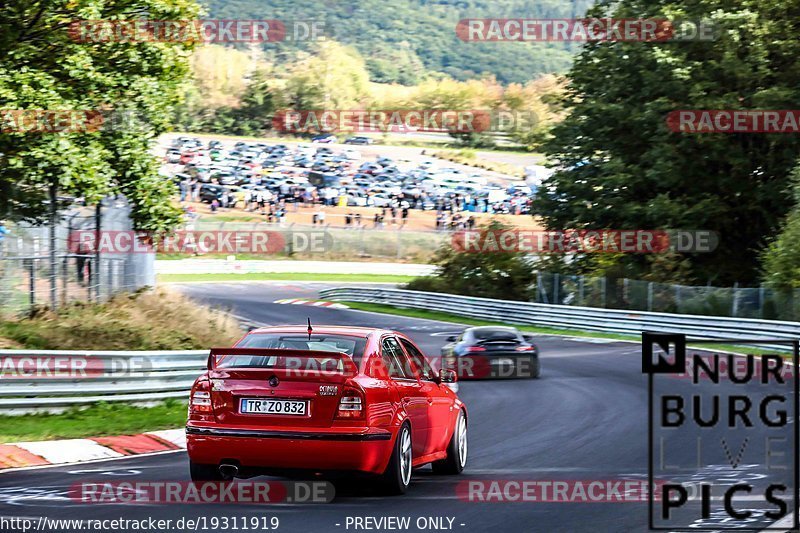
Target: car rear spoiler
[348,365]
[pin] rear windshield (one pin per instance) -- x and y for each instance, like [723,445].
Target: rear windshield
[495,334]
[347,344]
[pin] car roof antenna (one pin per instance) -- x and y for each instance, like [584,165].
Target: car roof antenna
[309,328]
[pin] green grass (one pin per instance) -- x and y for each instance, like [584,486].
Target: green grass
[285,276]
[96,421]
[145,320]
[449,317]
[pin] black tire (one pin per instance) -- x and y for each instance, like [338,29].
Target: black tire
[395,480]
[536,369]
[454,463]
[200,472]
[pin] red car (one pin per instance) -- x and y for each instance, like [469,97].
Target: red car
[288,400]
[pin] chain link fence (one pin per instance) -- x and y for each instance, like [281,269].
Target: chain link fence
[34,273]
[638,295]
[352,243]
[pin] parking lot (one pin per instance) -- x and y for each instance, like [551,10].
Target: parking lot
[351,184]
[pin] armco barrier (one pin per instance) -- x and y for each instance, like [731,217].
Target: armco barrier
[571,317]
[109,376]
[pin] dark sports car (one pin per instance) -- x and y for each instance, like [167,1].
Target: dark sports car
[491,352]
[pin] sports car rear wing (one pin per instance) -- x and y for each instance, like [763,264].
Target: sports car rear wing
[312,361]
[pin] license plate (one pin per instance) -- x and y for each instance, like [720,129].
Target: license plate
[503,362]
[274,406]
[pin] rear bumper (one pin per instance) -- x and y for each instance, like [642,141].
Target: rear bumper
[366,450]
[493,365]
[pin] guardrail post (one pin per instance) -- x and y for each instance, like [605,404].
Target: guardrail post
[735,303]
[650,296]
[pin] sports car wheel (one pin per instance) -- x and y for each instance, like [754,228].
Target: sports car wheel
[456,458]
[535,368]
[398,473]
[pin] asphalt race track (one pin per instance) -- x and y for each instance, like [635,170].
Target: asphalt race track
[585,419]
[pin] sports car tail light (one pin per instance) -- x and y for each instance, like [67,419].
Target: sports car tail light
[476,349]
[200,402]
[525,348]
[351,404]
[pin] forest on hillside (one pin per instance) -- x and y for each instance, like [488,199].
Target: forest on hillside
[405,40]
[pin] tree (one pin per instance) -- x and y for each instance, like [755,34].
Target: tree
[620,167]
[258,105]
[132,85]
[781,259]
[334,78]
[502,275]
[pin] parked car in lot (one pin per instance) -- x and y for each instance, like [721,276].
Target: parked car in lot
[290,399]
[370,168]
[491,352]
[173,156]
[324,138]
[356,197]
[419,183]
[211,191]
[358,140]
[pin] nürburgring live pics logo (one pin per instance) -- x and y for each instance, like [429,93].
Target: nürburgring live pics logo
[725,440]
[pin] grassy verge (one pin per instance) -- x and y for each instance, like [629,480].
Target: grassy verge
[149,320]
[286,276]
[449,317]
[95,421]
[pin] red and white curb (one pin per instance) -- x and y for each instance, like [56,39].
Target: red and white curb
[54,452]
[315,303]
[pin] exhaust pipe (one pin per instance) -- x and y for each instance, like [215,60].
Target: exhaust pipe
[228,471]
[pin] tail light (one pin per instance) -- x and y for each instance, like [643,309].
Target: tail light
[200,402]
[352,404]
[526,348]
[476,349]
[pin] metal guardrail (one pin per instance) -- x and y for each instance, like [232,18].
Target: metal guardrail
[142,377]
[60,379]
[572,317]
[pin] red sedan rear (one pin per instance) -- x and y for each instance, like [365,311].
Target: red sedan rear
[285,400]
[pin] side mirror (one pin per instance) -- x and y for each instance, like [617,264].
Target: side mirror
[529,338]
[452,338]
[447,375]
